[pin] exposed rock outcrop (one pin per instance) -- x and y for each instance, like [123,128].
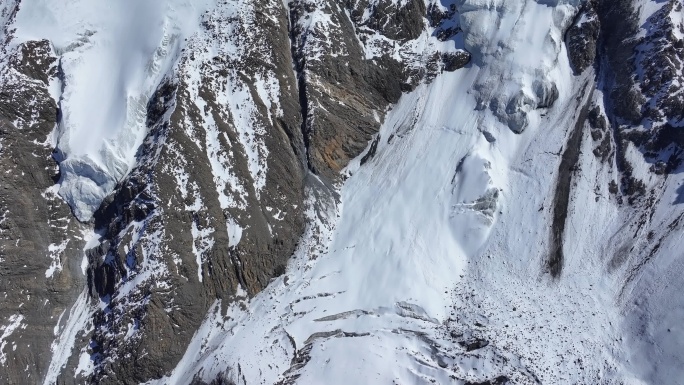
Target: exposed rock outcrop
[40,242]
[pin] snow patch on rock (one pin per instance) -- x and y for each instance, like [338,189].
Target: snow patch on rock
[14,323]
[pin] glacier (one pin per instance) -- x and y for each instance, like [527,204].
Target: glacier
[112,57]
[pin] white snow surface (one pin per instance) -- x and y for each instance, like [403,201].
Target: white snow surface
[56,251]
[113,55]
[65,336]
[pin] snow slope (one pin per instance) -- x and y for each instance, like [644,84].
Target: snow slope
[440,242]
[113,56]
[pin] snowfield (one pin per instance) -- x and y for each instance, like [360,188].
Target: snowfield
[439,244]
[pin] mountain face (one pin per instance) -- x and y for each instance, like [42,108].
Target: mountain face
[359,191]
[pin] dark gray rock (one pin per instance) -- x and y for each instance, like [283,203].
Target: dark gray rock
[639,69]
[581,38]
[38,279]
[400,22]
[501,380]
[547,94]
[168,308]
[455,61]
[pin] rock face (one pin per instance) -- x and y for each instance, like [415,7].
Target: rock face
[581,38]
[211,208]
[645,68]
[351,65]
[219,146]
[641,70]
[39,239]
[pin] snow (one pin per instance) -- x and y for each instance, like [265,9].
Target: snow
[239,100]
[151,268]
[219,154]
[202,242]
[420,245]
[234,232]
[677,19]
[517,57]
[113,56]
[92,240]
[85,364]
[319,24]
[232,101]
[459,244]
[268,90]
[220,103]
[78,322]
[393,271]
[644,9]
[55,253]
[14,323]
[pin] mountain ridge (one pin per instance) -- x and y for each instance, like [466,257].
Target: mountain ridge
[458,191]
